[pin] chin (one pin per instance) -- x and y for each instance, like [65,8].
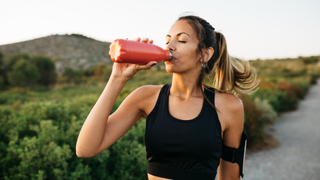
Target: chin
[169,71]
[169,68]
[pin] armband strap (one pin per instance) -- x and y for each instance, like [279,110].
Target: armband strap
[234,155]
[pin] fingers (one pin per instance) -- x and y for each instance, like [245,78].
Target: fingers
[145,40]
[138,39]
[147,66]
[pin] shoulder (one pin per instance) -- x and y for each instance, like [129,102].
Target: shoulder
[231,109]
[148,90]
[229,102]
[231,115]
[144,93]
[145,97]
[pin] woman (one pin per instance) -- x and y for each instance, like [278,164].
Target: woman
[187,122]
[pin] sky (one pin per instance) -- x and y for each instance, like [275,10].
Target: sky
[264,29]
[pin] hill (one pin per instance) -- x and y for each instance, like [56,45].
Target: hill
[75,51]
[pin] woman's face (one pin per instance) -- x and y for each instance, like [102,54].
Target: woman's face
[183,43]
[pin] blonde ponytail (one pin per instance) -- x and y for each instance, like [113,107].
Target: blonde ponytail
[230,74]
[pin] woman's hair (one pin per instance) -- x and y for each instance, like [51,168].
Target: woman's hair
[230,75]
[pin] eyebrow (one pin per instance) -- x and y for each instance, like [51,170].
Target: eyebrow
[180,34]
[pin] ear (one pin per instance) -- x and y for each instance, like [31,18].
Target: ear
[207,54]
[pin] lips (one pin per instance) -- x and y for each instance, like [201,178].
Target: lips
[173,58]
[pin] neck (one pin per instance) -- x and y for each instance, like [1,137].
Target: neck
[185,86]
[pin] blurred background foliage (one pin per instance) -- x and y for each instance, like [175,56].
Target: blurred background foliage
[41,115]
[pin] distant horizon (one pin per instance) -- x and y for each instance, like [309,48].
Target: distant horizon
[317,55]
[266,29]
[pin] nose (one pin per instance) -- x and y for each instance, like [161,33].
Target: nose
[170,46]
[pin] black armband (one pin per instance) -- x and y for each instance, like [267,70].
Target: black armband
[234,155]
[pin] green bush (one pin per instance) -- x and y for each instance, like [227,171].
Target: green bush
[24,70]
[15,58]
[282,95]
[253,124]
[258,114]
[46,68]
[73,75]
[313,78]
[40,154]
[23,74]
[309,60]
[269,115]
[38,142]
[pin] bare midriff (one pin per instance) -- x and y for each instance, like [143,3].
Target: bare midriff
[152,177]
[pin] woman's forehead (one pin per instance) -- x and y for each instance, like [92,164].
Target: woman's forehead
[181,27]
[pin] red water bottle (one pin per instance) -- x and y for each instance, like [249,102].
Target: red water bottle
[133,52]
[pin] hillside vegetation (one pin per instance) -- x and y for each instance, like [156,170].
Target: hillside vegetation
[40,124]
[67,51]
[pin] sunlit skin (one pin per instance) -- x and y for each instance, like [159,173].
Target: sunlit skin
[186,67]
[183,43]
[101,129]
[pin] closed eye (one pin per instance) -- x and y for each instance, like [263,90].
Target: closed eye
[178,41]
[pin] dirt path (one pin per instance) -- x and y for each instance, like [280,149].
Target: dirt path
[298,155]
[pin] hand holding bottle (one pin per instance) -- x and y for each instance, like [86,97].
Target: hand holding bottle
[128,70]
[134,52]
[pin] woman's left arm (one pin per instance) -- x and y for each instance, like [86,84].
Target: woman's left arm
[233,117]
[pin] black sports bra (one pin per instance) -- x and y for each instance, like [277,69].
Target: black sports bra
[183,149]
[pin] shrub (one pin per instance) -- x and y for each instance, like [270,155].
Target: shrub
[39,141]
[14,59]
[40,154]
[310,60]
[46,68]
[253,124]
[258,114]
[313,78]
[73,75]
[283,95]
[23,74]
[269,115]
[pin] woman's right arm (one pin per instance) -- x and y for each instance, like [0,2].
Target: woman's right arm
[100,130]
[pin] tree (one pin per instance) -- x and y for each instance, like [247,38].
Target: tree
[14,59]
[9,65]
[46,69]
[23,73]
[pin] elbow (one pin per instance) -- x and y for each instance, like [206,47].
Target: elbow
[82,153]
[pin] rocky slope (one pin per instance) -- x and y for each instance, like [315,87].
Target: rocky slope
[74,51]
